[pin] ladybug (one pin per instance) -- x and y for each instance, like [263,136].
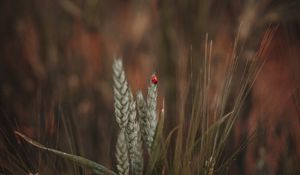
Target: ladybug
[154,79]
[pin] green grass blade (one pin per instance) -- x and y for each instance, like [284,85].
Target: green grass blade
[97,168]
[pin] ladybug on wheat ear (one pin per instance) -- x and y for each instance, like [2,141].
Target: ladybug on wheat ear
[154,79]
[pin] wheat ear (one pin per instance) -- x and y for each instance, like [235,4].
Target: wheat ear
[150,119]
[138,161]
[121,93]
[134,139]
[122,154]
[142,114]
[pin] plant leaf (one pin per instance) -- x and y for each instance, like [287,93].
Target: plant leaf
[97,168]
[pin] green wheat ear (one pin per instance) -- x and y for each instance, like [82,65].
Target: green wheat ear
[125,111]
[134,139]
[122,154]
[151,118]
[137,120]
[142,114]
[121,94]
[147,115]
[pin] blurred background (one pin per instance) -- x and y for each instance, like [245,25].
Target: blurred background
[56,75]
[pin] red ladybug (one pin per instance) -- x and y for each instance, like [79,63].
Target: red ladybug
[154,79]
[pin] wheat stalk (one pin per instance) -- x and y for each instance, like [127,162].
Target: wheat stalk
[121,94]
[209,166]
[122,154]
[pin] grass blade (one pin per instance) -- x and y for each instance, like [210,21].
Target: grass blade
[97,168]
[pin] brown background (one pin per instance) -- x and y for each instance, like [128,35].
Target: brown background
[56,56]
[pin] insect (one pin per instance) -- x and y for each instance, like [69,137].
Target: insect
[154,79]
